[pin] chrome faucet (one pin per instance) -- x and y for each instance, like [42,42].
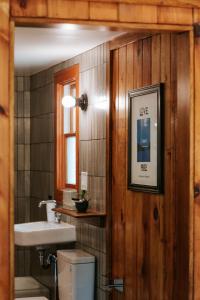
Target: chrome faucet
[44,202]
[57,214]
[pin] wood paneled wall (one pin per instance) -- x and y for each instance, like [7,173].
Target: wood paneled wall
[6,155]
[197,173]
[143,247]
[122,12]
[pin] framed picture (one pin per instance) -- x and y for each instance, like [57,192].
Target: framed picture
[145,144]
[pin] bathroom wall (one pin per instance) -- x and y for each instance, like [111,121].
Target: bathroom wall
[92,150]
[22,166]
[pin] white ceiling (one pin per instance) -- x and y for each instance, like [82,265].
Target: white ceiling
[39,48]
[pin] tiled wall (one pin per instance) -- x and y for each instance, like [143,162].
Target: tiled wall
[42,147]
[22,166]
[92,147]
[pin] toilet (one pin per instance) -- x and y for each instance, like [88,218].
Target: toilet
[28,287]
[76,270]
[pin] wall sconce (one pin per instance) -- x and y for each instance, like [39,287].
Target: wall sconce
[69,101]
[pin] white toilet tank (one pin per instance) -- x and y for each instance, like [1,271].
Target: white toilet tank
[76,270]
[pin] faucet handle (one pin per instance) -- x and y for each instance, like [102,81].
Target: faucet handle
[58,217]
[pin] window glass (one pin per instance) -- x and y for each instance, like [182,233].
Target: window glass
[71,160]
[69,113]
[66,110]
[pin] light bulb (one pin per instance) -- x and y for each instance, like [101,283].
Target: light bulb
[68,101]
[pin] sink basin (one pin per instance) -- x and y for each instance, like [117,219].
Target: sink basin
[42,233]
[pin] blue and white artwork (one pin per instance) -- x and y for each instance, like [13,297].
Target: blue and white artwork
[143,140]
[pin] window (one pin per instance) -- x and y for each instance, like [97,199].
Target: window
[67,131]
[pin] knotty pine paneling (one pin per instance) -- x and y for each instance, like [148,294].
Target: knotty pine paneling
[137,13]
[175,15]
[183,136]
[6,156]
[197,173]
[68,9]
[33,8]
[143,248]
[196,15]
[103,11]
[119,11]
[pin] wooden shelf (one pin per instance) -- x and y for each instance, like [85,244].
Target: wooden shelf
[90,216]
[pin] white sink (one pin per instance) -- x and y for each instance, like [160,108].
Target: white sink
[42,233]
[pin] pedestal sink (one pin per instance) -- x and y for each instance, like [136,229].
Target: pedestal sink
[43,233]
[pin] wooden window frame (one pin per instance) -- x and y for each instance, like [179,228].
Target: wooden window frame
[62,78]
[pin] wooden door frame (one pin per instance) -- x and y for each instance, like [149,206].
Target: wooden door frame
[24,21]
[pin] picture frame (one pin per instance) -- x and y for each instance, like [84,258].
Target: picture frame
[145,139]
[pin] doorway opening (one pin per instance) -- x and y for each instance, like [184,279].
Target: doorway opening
[95,145]
[52,62]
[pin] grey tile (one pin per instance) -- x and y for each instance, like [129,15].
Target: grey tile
[33,82]
[85,155]
[27,158]
[27,124]
[20,131]
[27,183]
[98,158]
[27,262]
[89,84]
[98,125]
[34,157]
[22,209]
[40,184]
[42,129]
[36,213]
[15,104]
[20,157]
[20,184]
[85,124]
[20,104]
[51,184]
[26,83]
[27,104]
[97,192]
[20,83]
[34,107]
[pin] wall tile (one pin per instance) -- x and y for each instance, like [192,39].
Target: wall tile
[27,130]
[20,83]
[92,148]
[27,183]
[97,191]
[27,157]
[20,184]
[85,131]
[27,84]
[20,131]
[98,158]
[27,104]
[37,213]
[40,184]
[85,153]
[34,106]
[98,118]
[20,157]
[20,104]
